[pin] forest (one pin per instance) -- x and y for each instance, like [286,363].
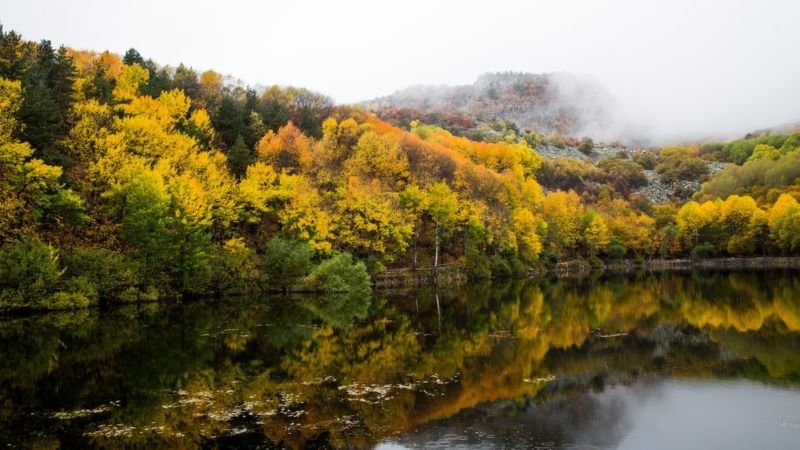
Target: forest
[123,180]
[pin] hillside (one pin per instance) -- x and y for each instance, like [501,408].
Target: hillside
[122,180]
[542,103]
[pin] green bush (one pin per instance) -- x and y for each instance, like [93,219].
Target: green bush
[31,277]
[285,264]
[681,163]
[646,159]
[234,268]
[595,263]
[477,265]
[339,274]
[704,250]
[615,249]
[111,274]
[64,300]
[586,145]
[500,267]
[29,273]
[624,175]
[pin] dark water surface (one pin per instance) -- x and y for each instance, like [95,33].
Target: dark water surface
[665,361]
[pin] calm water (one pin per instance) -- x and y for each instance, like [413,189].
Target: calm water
[665,361]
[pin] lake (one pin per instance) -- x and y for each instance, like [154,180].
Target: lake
[640,361]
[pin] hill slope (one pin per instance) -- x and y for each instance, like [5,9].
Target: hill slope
[543,103]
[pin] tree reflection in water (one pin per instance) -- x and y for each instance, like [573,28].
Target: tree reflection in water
[350,372]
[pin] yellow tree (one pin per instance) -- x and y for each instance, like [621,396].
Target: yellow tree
[378,157]
[442,207]
[736,212]
[526,230]
[596,234]
[563,212]
[690,220]
[414,201]
[374,225]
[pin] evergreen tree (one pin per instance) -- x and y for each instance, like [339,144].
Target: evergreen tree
[62,82]
[132,56]
[239,157]
[39,112]
[12,65]
[185,79]
[229,121]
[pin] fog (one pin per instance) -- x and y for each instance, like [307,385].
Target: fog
[684,69]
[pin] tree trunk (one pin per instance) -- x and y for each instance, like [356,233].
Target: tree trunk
[415,243]
[436,254]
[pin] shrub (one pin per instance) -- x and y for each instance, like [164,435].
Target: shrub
[567,173]
[285,264]
[624,175]
[615,249]
[681,163]
[234,268]
[110,274]
[554,139]
[477,265]
[339,274]
[646,159]
[501,267]
[29,273]
[586,145]
[704,250]
[596,263]
[64,300]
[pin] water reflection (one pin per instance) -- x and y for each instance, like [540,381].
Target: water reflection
[406,368]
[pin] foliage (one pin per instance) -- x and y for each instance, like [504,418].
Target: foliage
[586,145]
[681,163]
[111,274]
[162,181]
[29,272]
[286,263]
[339,273]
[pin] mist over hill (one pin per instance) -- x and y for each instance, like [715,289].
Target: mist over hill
[569,104]
[555,102]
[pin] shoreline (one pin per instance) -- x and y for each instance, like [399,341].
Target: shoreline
[451,275]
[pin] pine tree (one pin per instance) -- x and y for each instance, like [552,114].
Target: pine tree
[239,157]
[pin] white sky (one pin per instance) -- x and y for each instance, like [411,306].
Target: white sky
[683,67]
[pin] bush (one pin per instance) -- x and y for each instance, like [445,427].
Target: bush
[285,264]
[29,273]
[704,250]
[596,263]
[234,268]
[567,173]
[615,249]
[586,145]
[110,274]
[477,265]
[681,163]
[64,300]
[646,159]
[339,274]
[554,139]
[624,175]
[500,267]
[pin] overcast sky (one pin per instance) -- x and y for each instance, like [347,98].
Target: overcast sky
[682,67]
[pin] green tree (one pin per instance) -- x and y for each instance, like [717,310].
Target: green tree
[239,157]
[286,263]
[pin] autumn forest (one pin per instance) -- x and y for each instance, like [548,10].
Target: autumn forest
[123,180]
